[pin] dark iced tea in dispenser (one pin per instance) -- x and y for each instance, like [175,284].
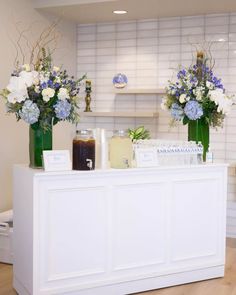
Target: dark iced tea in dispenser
[84,150]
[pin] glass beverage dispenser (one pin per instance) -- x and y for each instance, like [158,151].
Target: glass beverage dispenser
[121,150]
[84,150]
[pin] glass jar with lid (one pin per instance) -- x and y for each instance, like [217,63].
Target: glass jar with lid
[84,150]
[121,150]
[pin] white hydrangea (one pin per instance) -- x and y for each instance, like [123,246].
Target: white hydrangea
[48,93]
[63,94]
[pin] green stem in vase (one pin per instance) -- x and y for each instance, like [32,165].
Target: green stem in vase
[198,131]
[39,141]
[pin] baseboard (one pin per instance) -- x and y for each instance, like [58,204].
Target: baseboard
[132,287]
[19,288]
[231,220]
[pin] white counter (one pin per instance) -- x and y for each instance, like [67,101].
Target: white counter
[117,232]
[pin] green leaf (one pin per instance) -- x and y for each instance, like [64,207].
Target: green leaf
[139,130]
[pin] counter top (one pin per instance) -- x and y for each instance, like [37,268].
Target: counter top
[41,172]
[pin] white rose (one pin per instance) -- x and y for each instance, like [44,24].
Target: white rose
[48,93]
[199,96]
[198,93]
[58,80]
[187,98]
[46,98]
[37,89]
[26,67]
[182,98]
[209,85]
[63,94]
[56,69]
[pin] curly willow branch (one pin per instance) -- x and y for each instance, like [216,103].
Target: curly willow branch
[204,46]
[48,37]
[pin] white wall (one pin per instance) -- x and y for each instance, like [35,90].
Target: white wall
[14,135]
[147,52]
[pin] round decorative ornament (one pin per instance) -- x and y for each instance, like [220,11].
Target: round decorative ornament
[120,80]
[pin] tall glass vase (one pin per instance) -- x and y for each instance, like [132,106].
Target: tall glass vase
[198,131]
[39,140]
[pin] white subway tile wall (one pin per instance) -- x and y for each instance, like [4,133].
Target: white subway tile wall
[149,52]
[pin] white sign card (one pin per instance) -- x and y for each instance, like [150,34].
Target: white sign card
[57,160]
[146,157]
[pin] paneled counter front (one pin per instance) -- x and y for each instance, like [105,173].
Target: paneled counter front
[115,232]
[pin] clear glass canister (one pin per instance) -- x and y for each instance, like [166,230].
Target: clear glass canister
[121,150]
[84,150]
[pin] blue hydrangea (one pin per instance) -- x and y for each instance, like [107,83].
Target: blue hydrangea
[193,110]
[176,111]
[62,109]
[29,112]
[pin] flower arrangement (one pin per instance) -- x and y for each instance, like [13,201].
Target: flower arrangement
[42,95]
[197,94]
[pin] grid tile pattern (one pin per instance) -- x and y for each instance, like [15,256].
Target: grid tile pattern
[148,52]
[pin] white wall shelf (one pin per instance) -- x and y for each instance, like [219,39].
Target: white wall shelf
[120,114]
[140,91]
